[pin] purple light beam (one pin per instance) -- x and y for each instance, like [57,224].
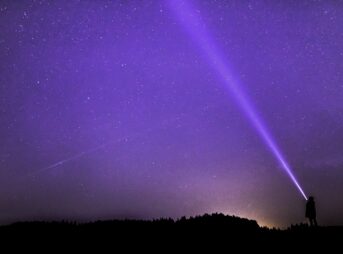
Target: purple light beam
[192,22]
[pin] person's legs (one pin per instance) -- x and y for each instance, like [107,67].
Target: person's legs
[315,222]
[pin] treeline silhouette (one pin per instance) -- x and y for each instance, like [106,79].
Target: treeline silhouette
[217,228]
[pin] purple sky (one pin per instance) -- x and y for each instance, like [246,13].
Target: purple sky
[110,109]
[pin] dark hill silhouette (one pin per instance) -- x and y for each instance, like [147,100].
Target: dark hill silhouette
[215,230]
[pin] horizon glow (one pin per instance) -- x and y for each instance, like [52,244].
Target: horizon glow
[192,21]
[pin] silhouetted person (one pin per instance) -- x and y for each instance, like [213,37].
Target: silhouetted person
[311,211]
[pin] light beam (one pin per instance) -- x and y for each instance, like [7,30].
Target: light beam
[192,21]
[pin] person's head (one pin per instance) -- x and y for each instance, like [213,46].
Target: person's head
[311,198]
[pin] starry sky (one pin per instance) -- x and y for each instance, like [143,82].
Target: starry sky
[110,109]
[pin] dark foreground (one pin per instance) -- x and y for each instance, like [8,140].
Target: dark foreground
[216,231]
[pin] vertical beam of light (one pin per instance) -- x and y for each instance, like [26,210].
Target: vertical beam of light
[191,20]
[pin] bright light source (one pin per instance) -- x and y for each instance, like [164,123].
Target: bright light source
[191,20]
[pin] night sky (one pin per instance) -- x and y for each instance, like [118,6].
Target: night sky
[113,109]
